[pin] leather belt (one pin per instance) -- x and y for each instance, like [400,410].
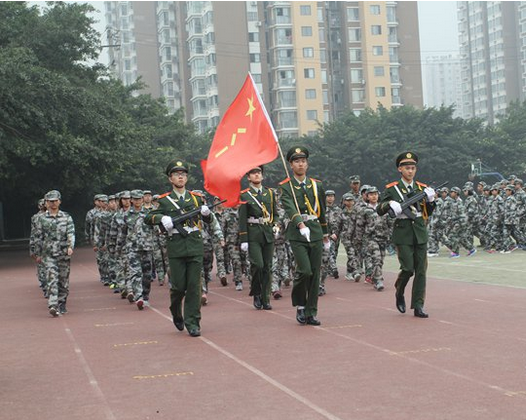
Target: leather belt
[306,217]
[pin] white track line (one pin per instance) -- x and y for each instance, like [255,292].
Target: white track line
[262,375]
[92,381]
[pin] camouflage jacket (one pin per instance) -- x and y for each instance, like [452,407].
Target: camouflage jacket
[212,231]
[116,227]
[495,212]
[333,216]
[358,219]
[88,225]
[345,227]
[54,235]
[230,221]
[376,228]
[456,212]
[511,211]
[472,208]
[135,235]
[33,231]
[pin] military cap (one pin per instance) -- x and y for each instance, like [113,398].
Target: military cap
[176,165]
[406,158]
[518,181]
[41,202]
[512,177]
[468,184]
[504,181]
[112,197]
[125,194]
[348,197]
[137,194]
[510,187]
[364,188]
[103,197]
[329,192]
[297,152]
[372,189]
[487,188]
[96,197]
[52,195]
[456,190]
[467,188]
[256,169]
[482,183]
[495,187]
[147,192]
[354,178]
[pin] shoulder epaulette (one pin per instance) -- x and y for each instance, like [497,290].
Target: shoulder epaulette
[284,181]
[196,193]
[244,191]
[392,184]
[164,195]
[421,184]
[315,180]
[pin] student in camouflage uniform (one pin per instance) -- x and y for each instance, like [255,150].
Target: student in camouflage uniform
[41,273]
[345,232]
[221,252]
[377,237]
[116,228]
[136,242]
[511,221]
[283,260]
[456,220]
[88,223]
[520,197]
[98,239]
[230,219]
[435,227]
[471,203]
[354,184]
[106,229]
[494,221]
[212,239]
[333,215]
[54,243]
[363,261]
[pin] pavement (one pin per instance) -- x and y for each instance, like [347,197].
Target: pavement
[105,359]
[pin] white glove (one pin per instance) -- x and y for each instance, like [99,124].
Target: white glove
[205,211]
[167,223]
[397,208]
[430,192]
[327,245]
[305,232]
[244,246]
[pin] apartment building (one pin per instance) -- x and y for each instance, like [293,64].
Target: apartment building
[443,83]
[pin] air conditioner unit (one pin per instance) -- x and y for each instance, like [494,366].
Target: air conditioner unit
[253,3]
[258,23]
[363,81]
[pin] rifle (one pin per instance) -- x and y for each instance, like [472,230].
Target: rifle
[409,201]
[183,217]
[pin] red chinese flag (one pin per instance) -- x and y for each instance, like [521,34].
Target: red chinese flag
[244,139]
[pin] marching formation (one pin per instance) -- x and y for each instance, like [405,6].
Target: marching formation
[275,237]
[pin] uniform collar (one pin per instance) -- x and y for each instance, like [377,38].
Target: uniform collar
[405,185]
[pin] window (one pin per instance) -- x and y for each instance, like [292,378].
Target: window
[252,16]
[308,52]
[324,76]
[288,119]
[310,94]
[353,14]
[356,75]
[379,71]
[306,30]
[376,29]
[257,78]
[325,94]
[255,58]
[287,99]
[355,34]
[320,14]
[355,55]
[127,65]
[375,9]
[378,50]
[253,37]
[321,34]
[308,73]
[305,10]
[379,92]
[312,115]
[358,95]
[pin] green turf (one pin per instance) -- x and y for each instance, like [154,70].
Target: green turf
[497,269]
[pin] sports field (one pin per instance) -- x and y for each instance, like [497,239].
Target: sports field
[107,360]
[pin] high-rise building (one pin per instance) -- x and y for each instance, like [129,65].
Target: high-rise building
[491,49]
[443,83]
[312,61]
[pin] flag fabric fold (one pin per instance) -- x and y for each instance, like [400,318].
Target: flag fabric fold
[244,139]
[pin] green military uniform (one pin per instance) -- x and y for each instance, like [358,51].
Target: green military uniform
[409,236]
[185,254]
[257,215]
[310,199]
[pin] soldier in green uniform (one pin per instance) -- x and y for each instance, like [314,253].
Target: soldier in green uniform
[409,236]
[257,217]
[303,200]
[185,253]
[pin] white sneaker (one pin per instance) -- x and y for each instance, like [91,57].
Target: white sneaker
[349,277]
[379,285]
[432,254]
[239,286]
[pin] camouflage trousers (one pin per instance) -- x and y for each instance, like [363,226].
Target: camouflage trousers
[282,266]
[512,231]
[121,271]
[458,236]
[160,262]
[353,260]
[211,249]
[102,264]
[235,258]
[139,273]
[41,275]
[112,268]
[328,262]
[57,280]
[376,253]
[435,238]
[219,253]
[494,236]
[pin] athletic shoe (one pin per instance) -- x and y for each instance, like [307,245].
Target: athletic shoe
[224,281]
[277,294]
[204,299]
[513,248]
[368,279]
[432,254]
[321,291]
[472,252]
[140,304]
[130,297]
[491,251]
[505,251]
[379,285]
[239,286]
[357,277]
[454,255]
[349,277]
[53,311]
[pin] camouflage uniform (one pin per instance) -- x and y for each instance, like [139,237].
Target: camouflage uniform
[520,197]
[435,228]
[230,219]
[212,235]
[135,240]
[362,259]
[495,219]
[160,256]
[328,263]
[511,221]
[377,236]
[283,259]
[99,238]
[53,236]
[345,231]
[121,262]
[456,220]
[41,272]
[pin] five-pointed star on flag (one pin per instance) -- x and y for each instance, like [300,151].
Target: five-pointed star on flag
[251,108]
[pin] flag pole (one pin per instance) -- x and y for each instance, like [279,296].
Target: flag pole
[277,142]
